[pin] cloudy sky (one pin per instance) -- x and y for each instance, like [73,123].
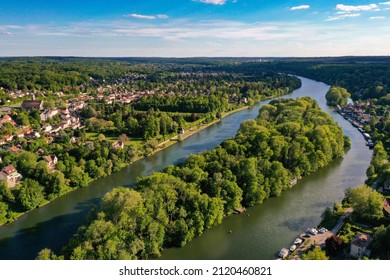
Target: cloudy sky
[187,28]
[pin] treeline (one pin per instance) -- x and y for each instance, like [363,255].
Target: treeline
[77,165]
[61,73]
[202,98]
[363,78]
[289,139]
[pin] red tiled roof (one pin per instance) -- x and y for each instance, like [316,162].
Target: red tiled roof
[9,169]
[361,240]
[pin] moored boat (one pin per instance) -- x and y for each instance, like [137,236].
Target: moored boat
[283,253]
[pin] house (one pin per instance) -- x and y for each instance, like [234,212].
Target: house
[8,138]
[118,145]
[19,134]
[40,151]
[48,114]
[359,245]
[15,149]
[7,119]
[49,140]
[31,134]
[51,162]
[32,104]
[47,128]
[11,175]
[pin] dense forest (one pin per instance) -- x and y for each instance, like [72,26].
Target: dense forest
[289,139]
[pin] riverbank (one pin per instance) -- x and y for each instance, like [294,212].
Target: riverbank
[317,237]
[160,146]
[194,130]
[253,234]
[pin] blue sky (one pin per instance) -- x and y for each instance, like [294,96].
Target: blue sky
[187,28]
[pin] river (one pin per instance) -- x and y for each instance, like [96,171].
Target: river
[257,234]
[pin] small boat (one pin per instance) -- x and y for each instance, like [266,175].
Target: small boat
[293,247]
[322,230]
[283,253]
[298,241]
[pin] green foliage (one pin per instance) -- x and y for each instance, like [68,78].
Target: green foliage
[366,202]
[381,243]
[337,96]
[315,253]
[47,254]
[172,207]
[31,194]
[3,213]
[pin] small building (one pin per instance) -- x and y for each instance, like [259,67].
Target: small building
[359,246]
[47,128]
[14,149]
[48,114]
[118,145]
[32,104]
[7,119]
[49,140]
[51,162]
[39,151]
[8,138]
[11,175]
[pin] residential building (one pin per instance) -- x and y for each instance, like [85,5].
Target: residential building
[359,245]
[51,162]
[11,175]
[118,145]
[32,104]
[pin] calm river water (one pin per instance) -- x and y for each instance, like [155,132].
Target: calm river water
[269,226]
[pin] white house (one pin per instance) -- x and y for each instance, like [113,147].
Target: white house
[359,245]
[11,175]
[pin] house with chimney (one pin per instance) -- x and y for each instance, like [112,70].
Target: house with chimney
[10,175]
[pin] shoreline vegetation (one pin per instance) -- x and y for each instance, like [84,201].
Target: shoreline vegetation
[50,185]
[161,146]
[289,139]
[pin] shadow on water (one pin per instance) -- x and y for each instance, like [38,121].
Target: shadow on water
[13,248]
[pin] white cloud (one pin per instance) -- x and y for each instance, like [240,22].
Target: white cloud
[385,3]
[346,8]
[377,18]
[301,7]
[214,2]
[6,33]
[138,16]
[186,37]
[342,16]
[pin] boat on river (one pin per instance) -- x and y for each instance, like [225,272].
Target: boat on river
[293,248]
[283,253]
